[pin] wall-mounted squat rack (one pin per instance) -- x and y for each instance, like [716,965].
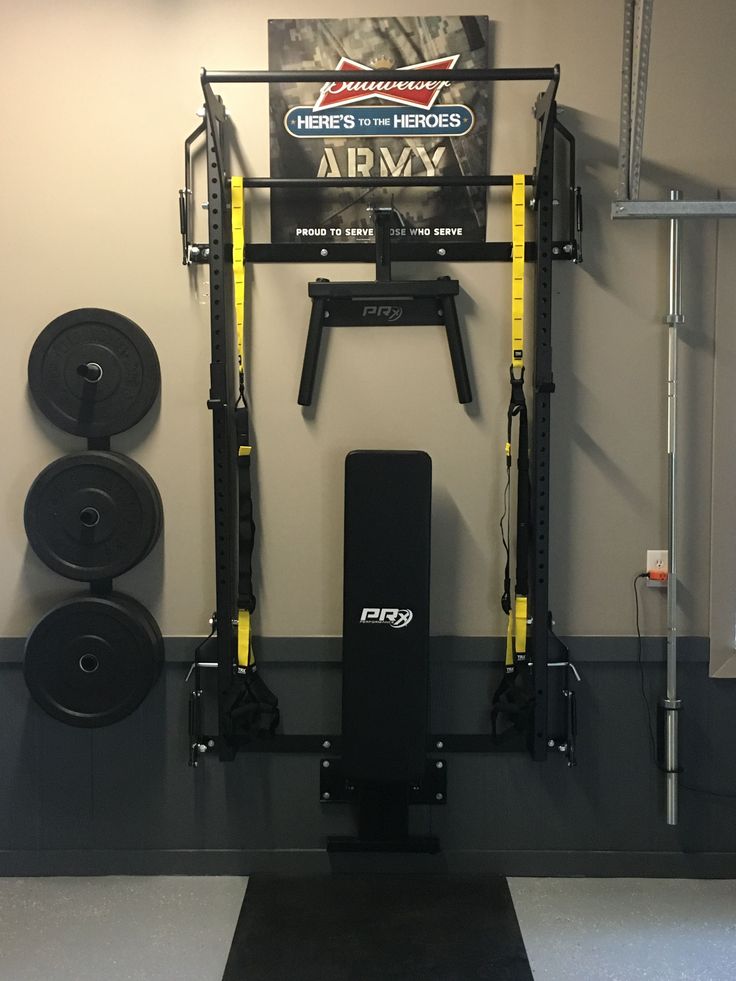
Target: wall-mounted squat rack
[216,253]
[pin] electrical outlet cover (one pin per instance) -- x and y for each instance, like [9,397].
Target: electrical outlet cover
[657,561]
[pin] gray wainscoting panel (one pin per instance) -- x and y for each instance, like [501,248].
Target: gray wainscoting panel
[122,799]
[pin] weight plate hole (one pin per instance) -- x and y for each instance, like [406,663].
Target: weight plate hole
[91,372]
[89,517]
[88,663]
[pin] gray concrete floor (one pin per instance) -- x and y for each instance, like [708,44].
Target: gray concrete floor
[179,928]
[628,929]
[117,928]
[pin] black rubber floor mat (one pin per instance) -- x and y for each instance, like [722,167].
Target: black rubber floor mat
[377,928]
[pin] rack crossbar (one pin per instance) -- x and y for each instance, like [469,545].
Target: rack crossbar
[481,180]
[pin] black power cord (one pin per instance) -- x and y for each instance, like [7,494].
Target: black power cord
[642,677]
[652,742]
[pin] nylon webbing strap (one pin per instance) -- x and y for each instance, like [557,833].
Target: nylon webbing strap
[518,206]
[238,222]
[246,526]
[244,648]
[516,632]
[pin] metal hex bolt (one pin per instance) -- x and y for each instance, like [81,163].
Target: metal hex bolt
[202,748]
[326,744]
[567,247]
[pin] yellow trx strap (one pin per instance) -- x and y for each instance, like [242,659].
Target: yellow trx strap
[238,222]
[510,641]
[245,653]
[518,214]
[520,617]
[516,628]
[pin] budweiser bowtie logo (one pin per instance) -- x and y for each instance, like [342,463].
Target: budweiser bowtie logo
[413,92]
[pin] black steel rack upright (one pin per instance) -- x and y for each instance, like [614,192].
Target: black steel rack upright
[217,254]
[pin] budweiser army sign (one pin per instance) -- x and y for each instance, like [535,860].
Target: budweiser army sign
[381,119]
[365,127]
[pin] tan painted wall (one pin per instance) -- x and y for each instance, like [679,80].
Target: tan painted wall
[97,100]
[723,552]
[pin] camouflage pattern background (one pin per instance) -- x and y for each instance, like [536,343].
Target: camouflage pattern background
[400,41]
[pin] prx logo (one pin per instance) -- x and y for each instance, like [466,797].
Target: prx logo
[413,92]
[392,314]
[383,614]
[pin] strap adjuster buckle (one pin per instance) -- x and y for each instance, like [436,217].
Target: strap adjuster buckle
[517,387]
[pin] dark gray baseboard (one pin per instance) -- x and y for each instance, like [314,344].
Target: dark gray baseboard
[702,865]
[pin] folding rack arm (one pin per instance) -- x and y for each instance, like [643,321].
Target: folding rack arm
[185,197]
[574,244]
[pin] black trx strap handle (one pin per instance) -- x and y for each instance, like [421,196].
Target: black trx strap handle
[254,712]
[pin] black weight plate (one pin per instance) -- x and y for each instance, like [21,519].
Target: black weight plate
[93,372]
[93,515]
[91,661]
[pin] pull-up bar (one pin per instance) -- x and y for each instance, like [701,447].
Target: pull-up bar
[390,75]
